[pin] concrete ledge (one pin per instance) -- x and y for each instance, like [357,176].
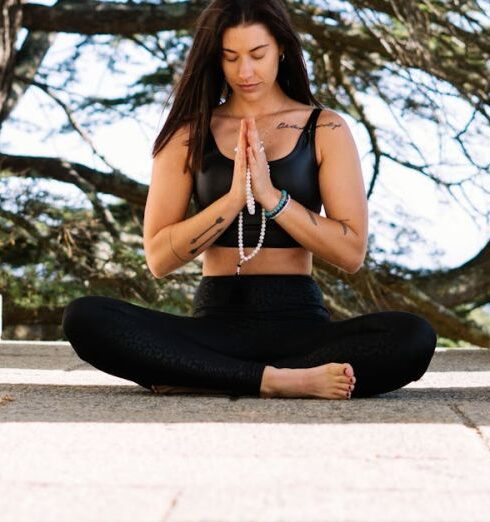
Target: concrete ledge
[81,445]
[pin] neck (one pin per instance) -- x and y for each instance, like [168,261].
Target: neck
[240,108]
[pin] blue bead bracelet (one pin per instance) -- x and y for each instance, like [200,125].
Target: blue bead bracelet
[270,214]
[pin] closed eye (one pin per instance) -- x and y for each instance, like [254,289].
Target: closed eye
[254,57]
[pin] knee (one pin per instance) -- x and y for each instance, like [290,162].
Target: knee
[421,339]
[78,319]
[75,315]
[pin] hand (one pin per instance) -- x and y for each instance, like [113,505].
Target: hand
[262,186]
[238,183]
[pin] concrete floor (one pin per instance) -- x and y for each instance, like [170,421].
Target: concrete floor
[80,445]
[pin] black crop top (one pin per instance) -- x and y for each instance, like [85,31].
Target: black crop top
[297,173]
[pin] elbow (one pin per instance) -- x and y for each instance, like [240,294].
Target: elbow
[153,265]
[153,269]
[159,270]
[355,264]
[353,270]
[156,258]
[356,260]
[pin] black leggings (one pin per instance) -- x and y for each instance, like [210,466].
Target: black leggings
[240,324]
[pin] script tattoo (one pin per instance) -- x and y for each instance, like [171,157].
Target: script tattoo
[330,124]
[218,220]
[283,125]
[312,216]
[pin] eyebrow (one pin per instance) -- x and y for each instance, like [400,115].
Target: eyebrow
[251,50]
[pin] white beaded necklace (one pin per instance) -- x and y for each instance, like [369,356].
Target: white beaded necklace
[251,210]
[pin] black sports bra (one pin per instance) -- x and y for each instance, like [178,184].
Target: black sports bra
[297,173]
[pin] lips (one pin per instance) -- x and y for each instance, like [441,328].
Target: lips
[248,87]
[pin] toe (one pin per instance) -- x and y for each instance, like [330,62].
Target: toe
[348,370]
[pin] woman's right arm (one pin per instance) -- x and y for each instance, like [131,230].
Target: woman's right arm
[170,241]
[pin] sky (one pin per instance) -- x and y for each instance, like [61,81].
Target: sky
[451,236]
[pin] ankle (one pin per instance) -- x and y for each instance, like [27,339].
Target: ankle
[268,383]
[280,382]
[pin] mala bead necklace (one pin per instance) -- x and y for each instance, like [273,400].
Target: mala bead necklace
[251,211]
[271,214]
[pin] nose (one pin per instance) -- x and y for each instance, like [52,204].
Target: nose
[245,70]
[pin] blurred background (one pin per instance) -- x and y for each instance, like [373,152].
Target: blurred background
[86,87]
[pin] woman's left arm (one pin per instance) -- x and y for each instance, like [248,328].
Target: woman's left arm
[340,238]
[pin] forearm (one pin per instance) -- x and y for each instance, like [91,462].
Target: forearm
[331,239]
[177,244]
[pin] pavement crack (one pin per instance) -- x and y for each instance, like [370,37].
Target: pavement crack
[468,422]
[173,503]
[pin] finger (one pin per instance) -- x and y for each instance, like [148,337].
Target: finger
[244,144]
[251,155]
[252,132]
[243,137]
[254,138]
[240,148]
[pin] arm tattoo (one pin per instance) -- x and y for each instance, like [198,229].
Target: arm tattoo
[341,221]
[194,250]
[218,220]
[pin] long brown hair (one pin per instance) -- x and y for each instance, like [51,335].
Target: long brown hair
[203,84]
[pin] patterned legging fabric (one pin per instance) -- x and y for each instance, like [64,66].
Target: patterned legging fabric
[241,324]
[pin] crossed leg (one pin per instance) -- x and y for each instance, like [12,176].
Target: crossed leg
[178,354]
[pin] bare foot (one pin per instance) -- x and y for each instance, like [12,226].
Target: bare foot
[328,381]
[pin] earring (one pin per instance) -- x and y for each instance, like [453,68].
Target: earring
[282,57]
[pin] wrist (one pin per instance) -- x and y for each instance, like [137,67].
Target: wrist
[236,200]
[272,199]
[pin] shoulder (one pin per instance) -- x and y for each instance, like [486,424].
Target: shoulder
[178,139]
[178,142]
[332,134]
[174,152]
[182,133]
[329,119]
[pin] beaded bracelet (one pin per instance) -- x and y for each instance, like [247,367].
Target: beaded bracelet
[283,208]
[281,205]
[271,214]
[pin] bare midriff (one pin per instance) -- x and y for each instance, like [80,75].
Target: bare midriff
[218,260]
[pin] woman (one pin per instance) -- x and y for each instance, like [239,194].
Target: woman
[260,165]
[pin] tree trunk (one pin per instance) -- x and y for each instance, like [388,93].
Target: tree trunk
[11,22]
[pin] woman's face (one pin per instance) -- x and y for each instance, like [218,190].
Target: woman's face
[250,55]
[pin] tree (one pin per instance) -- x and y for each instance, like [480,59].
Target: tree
[410,55]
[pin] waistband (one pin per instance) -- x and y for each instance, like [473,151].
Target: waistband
[297,294]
